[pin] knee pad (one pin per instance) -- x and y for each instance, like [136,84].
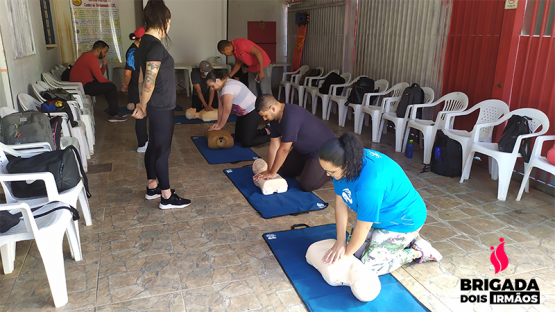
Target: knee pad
[219,139]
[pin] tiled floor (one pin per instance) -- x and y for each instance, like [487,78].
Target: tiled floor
[211,256]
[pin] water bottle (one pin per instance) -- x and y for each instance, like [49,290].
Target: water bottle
[437,153]
[410,147]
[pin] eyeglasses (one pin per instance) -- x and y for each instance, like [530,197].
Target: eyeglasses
[330,173]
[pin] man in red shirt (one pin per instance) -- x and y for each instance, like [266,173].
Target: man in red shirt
[249,53]
[87,71]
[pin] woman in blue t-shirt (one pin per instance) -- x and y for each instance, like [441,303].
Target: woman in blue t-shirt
[390,212]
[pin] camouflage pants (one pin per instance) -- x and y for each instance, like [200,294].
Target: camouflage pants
[385,251]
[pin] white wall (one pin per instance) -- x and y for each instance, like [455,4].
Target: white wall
[24,71]
[196,28]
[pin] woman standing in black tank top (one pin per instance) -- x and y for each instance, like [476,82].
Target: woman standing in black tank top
[157,92]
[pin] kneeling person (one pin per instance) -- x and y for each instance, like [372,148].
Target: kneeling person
[292,125]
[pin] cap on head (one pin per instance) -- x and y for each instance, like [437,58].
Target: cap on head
[205,66]
[139,32]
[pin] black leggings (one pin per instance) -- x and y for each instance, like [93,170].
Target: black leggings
[161,123]
[247,132]
[141,131]
[312,174]
[108,89]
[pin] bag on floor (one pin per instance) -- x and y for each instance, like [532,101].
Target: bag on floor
[332,79]
[65,165]
[26,127]
[517,125]
[309,73]
[66,73]
[57,94]
[8,220]
[412,95]
[362,86]
[448,162]
[59,106]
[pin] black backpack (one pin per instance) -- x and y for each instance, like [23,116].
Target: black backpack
[517,125]
[57,94]
[66,73]
[448,161]
[332,79]
[362,86]
[412,95]
[64,164]
[309,73]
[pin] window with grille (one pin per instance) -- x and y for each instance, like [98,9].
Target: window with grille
[47,23]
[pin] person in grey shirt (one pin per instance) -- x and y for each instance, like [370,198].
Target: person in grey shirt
[202,94]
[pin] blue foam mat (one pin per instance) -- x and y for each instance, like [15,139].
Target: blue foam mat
[293,201]
[231,155]
[182,120]
[290,248]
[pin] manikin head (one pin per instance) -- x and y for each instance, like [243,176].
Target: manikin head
[157,17]
[225,47]
[269,108]
[100,49]
[342,157]
[259,166]
[216,80]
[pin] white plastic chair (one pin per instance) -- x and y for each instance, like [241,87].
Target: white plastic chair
[79,132]
[490,110]
[375,111]
[505,161]
[382,86]
[390,114]
[28,102]
[536,161]
[453,102]
[325,97]
[302,85]
[341,99]
[313,91]
[71,196]
[48,233]
[295,76]
[57,83]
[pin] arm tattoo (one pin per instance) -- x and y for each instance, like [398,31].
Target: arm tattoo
[150,77]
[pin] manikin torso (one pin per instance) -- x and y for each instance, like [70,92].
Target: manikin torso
[275,185]
[191,113]
[364,283]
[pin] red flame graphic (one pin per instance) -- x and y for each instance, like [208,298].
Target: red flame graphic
[499,258]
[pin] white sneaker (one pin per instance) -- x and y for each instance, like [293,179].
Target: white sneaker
[429,253]
[143,148]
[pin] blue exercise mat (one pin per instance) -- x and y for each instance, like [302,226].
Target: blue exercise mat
[182,120]
[290,248]
[231,155]
[293,201]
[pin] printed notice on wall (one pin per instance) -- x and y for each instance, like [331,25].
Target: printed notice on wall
[95,20]
[511,4]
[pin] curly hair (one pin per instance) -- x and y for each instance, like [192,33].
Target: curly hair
[345,152]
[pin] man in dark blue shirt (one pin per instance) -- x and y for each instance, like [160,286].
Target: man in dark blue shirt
[293,126]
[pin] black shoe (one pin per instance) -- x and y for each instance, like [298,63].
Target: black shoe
[117,118]
[154,193]
[174,202]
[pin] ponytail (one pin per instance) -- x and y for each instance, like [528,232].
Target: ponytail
[132,36]
[345,152]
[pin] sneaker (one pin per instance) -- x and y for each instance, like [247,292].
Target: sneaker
[154,193]
[429,253]
[117,118]
[142,149]
[174,202]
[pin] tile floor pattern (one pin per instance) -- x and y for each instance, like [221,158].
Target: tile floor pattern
[211,256]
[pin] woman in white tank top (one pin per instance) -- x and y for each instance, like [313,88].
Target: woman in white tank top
[234,96]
